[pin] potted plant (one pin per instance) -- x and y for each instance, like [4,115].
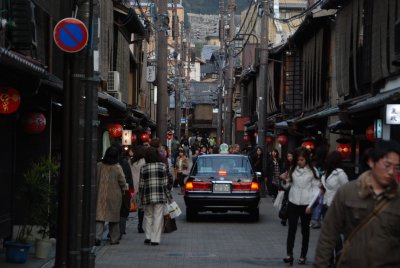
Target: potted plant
[38,193]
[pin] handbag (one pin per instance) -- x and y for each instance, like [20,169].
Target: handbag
[279,199]
[172,209]
[169,224]
[283,212]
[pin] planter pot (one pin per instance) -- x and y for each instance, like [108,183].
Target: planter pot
[16,252]
[42,248]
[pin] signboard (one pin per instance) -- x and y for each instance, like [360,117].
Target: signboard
[70,35]
[151,74]
[126,137]
[393,114]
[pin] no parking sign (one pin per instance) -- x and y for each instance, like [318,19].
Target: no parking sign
[70,35]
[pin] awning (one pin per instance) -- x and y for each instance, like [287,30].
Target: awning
[14,61]
[318,115]
[337,125]
[284,124]
[128,21]
[102,111]
[111,102]
[375,101]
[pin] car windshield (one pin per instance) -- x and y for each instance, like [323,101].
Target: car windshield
[229,166]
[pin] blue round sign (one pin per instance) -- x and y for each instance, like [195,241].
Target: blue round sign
[70,35]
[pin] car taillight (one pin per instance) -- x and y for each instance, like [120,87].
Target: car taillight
[245,186]
[198,186]
[255,186]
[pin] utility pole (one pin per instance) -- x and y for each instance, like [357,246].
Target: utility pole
[262,93]
[162,84]
[178,75]
[230,75]
[188,44]
[76,218]
[221,61]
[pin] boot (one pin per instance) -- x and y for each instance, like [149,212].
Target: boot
[140,224]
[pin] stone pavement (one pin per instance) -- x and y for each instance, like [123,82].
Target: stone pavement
[223,240]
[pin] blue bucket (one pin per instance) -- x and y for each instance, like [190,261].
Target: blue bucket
[17,252]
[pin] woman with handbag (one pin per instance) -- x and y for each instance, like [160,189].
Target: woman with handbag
[304,184]
[182,169]
[153,195]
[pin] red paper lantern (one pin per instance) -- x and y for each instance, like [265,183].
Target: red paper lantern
[134,138]
[246,138]
[115,130]
[10,100]
[33,123]
[144,137]
[344,150]
[369,133]
[269,139]
[309,145]
[282,139]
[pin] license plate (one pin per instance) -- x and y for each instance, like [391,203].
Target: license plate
[222,188]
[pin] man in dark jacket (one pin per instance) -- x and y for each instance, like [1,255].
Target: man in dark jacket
[377,241]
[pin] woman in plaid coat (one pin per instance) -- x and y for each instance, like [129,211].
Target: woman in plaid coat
[153,195]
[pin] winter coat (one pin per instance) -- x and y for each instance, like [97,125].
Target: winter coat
[377,243]
[331,184]
[303,186]
[153,184]
[135,168]
[110,184]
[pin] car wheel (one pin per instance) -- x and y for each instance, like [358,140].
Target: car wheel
[255,214]
[190,214]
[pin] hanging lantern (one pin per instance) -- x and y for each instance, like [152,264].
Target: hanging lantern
[369,133]
[282,139]
[115,130]
[269,139]
[246,138]
[344,150]
[33,123]
[134,138]
[10,100]
[144,137]
[126,137]
[309,145]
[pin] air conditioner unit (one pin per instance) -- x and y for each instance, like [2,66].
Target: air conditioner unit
[113,82]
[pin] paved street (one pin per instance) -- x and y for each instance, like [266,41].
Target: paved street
[224,240]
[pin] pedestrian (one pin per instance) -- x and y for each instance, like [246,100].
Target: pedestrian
[110,185]
[304,184]
[284,180]
[153,195]
[136,162]
[236,149]
[126,197]
[273,171]
[334,177]
[319,163]
[366,212]
[257,162]
[203,150]
[182,169]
